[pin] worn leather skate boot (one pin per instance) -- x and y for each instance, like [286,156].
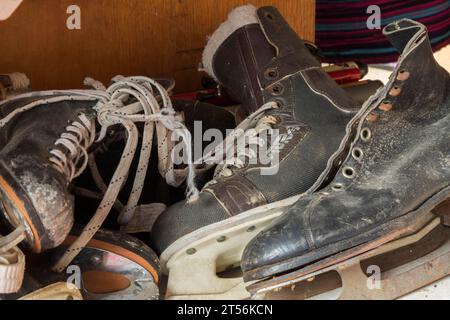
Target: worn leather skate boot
[393,170]
[263,63]
[33,191]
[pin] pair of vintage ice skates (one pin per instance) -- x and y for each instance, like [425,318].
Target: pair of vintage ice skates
[353,182]
[353,188]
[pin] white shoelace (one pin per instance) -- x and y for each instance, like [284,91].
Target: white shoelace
[162,120]
[70,154]
[239,141]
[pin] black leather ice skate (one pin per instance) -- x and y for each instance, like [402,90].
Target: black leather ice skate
[393,169]
[33,190]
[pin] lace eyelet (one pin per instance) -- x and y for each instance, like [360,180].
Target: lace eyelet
[271,74]
[395,91]
[278,102]
[357,154]
[366,134]
[386,106]
[349,172]
[269,16]
[277,89]
[338,187]
[372,117]
[403,75]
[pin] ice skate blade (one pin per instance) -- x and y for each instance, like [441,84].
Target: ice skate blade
[388,272]
[193,262]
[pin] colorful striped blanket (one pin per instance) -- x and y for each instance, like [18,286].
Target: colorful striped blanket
[342,33]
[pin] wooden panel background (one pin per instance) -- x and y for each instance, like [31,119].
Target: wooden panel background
[158,38]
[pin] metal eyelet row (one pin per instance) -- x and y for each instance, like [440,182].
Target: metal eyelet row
[386,105]
[366,134]
[273,74]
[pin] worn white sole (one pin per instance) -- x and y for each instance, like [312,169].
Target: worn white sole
[194,261]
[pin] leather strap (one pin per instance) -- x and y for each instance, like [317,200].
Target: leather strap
[237,195]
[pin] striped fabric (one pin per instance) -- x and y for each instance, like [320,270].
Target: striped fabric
[342,33]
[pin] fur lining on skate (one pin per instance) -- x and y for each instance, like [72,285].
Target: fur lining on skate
[237,19]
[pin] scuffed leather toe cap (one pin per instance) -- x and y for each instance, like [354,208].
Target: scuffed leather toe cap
[183,218]
[285,239]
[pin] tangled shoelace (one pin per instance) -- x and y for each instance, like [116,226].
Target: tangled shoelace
[126,102]
[163,120]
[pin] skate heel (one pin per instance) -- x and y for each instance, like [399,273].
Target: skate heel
[443,211]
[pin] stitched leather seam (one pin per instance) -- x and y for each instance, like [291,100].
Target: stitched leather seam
[307,222]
